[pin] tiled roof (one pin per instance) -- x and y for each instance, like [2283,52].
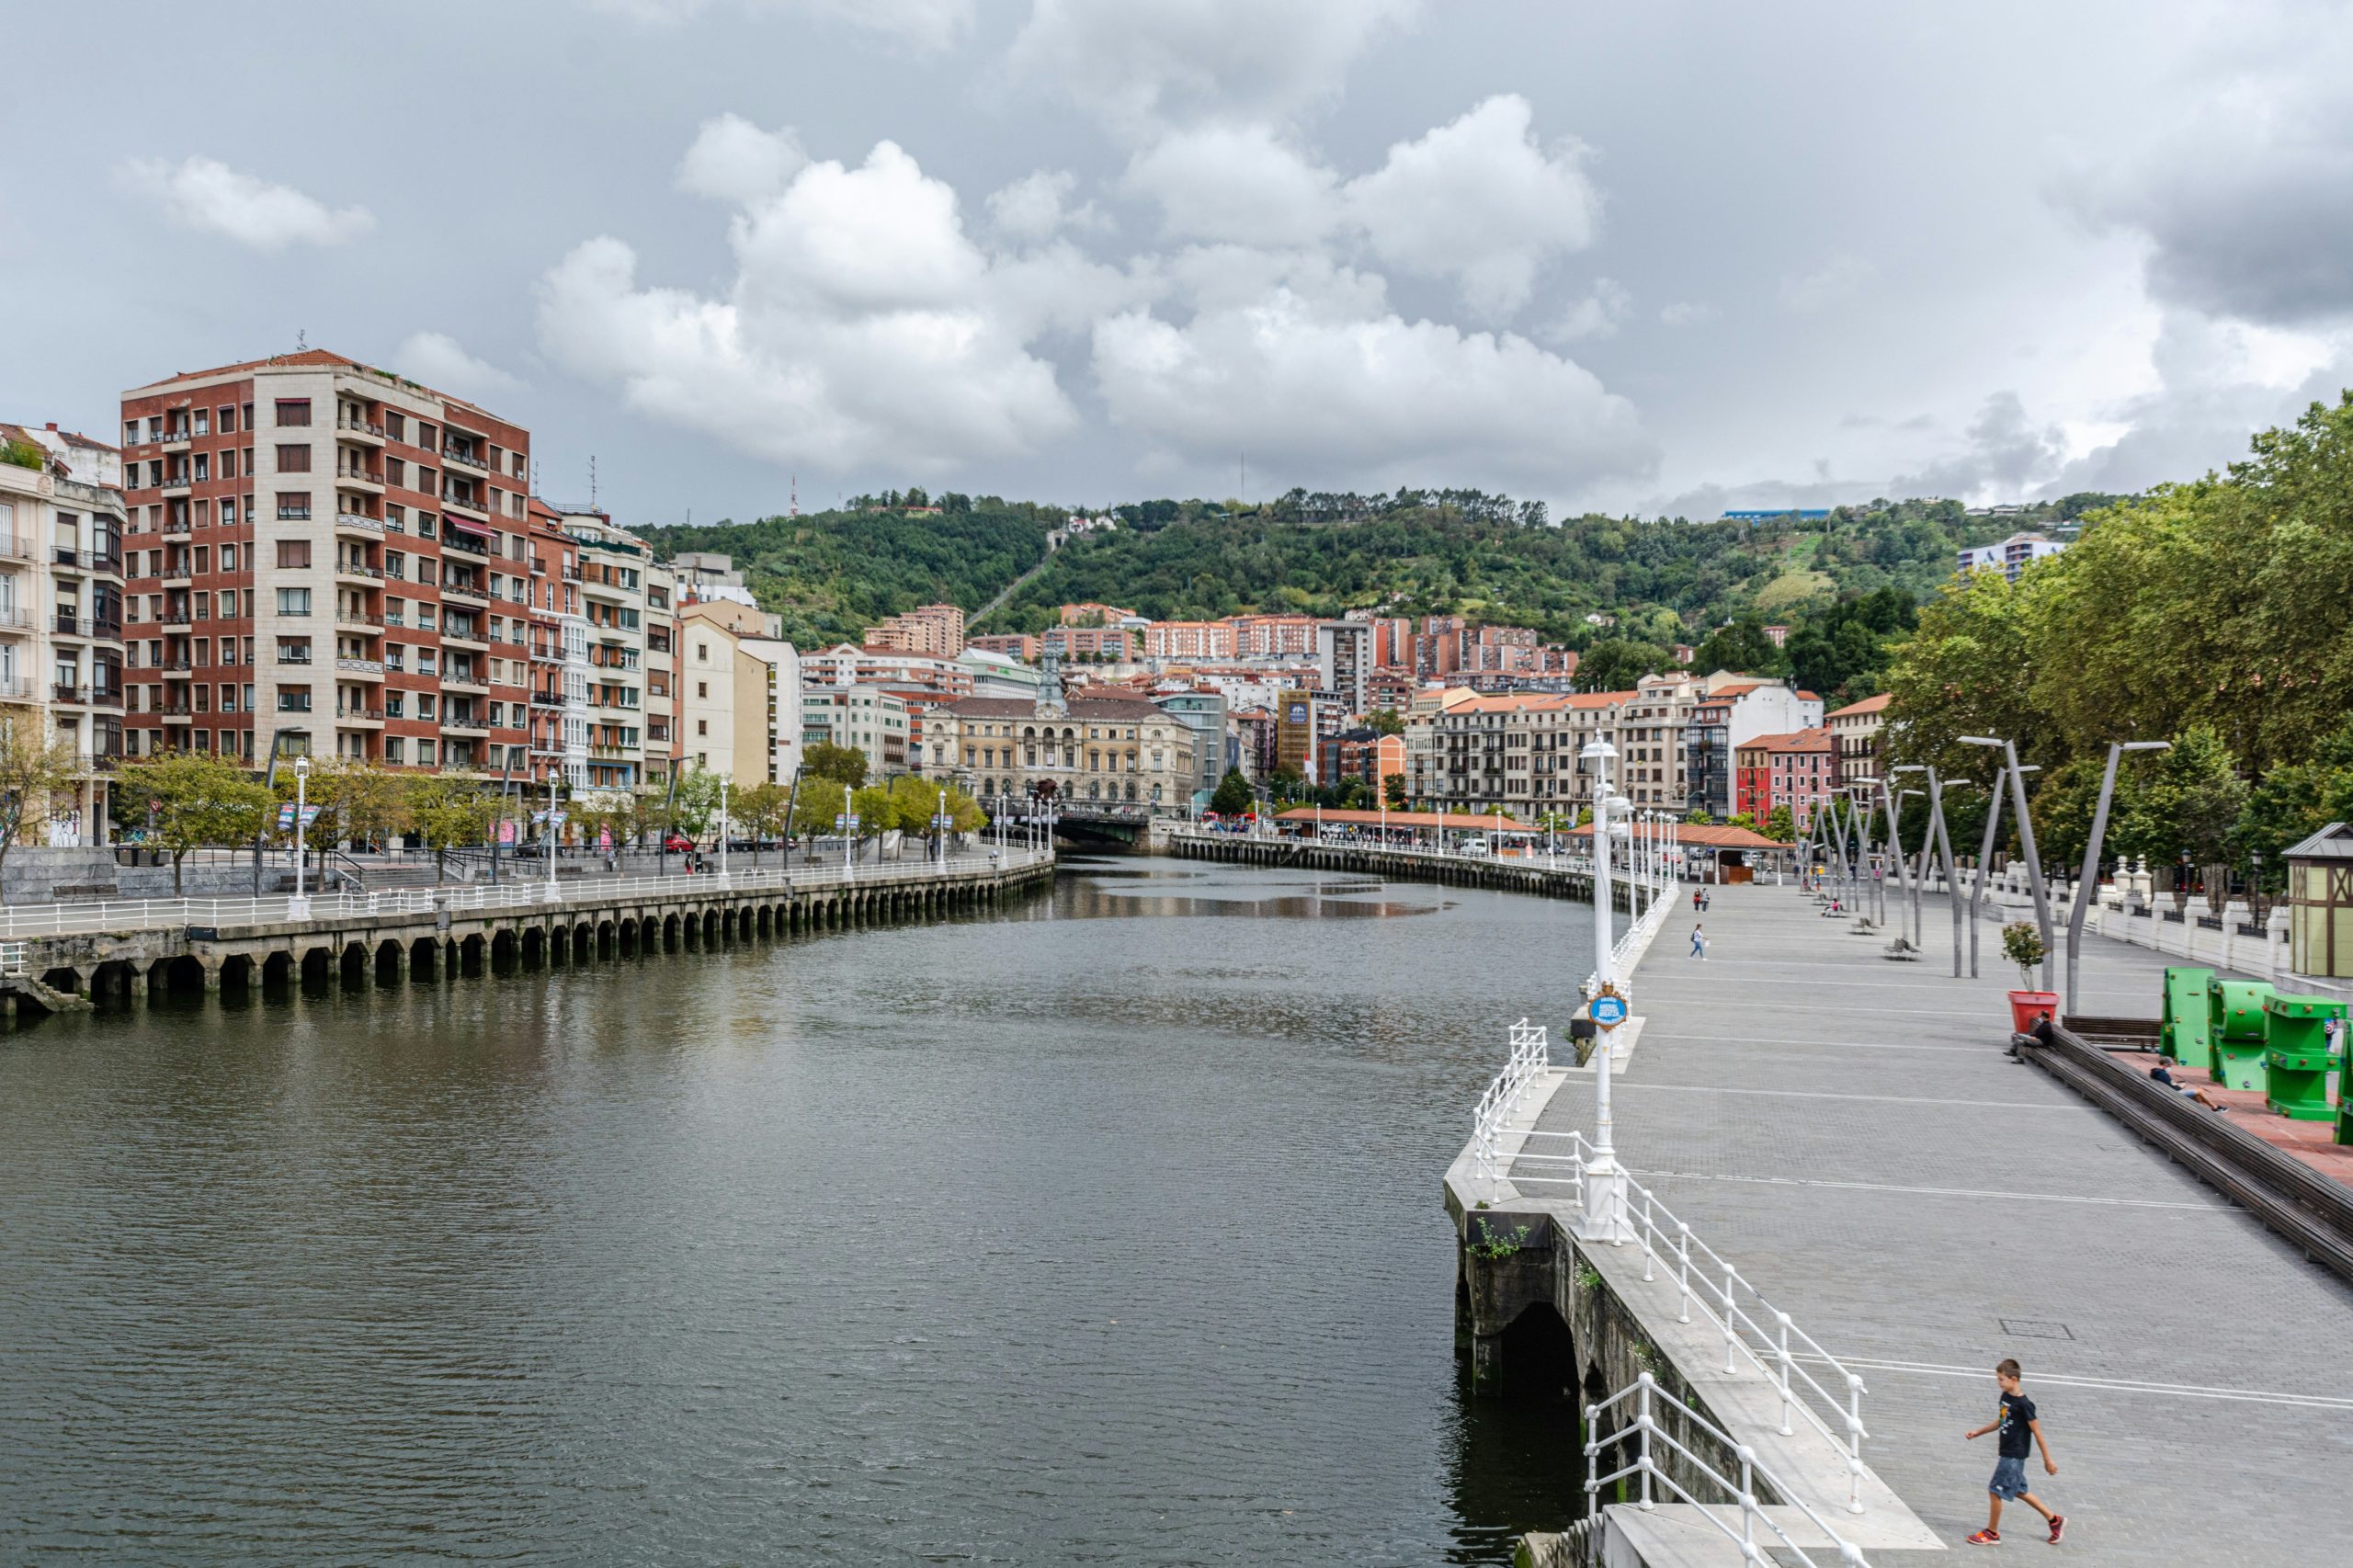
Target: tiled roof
[1868,705]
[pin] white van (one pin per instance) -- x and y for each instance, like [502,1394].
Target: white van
[1476,845]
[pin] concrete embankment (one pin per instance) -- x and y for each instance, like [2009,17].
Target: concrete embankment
[209,945]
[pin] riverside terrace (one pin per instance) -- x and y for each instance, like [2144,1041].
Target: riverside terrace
[57,957]
[1853,1135]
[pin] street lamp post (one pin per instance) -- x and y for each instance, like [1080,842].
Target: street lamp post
[1928,838]
[1604,1190]
[300,908]
[2089,881]
[2026,838]
[725,833]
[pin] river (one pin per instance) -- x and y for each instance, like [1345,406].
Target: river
[1104,1228]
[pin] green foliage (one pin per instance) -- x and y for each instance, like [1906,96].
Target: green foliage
[2022,944]
[1742,645]
[2187,801]
[1780,824]
[876,810]
[829,575]
[2293,802]
[448,814]
[1494,1245]
[844,765]
[694,804]
[36,770]
[1617,666]
[197,800]
[1233,797]
[22,454]
[1393,790]
[1386,720]
[820,801]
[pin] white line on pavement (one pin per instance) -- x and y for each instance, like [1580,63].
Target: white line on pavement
[1935,1191]
[2117,1385]
[1625,1085]
[1657,1034]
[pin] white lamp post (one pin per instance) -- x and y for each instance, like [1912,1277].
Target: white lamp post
[300,908]
[2026,838]
[1604,1182]
[2088,882]
[723,833]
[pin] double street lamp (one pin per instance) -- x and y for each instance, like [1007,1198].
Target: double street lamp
[2026,838]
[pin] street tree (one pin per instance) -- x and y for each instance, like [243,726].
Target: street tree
[694,805]
[822,800]
[196,802]
[1393,790]
[2186,804]
[449,814]
[759,809]
[844,765]
[369,801]
[34,772]
[1232,796]
[1385,720]
[1780,824]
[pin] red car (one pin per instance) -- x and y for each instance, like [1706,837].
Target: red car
[678,844]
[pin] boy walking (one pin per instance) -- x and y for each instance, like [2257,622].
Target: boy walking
[2020,1434]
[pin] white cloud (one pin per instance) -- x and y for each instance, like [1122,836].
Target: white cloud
[1599,315]
[1142,66]
[862,328]
[1037,206]
[1826,284]
[204,193]
[735,160]
[1337,395]
[441,361]
[928,24]
[1685,313]
[1479,200]
[1241,183]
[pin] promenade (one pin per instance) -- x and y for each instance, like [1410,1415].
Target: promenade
[1852,1134]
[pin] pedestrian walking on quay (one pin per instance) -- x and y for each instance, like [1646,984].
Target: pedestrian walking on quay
[1698,943]
[1695,900]
[2021,1433]
[1706,899]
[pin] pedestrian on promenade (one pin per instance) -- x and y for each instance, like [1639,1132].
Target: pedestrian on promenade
[2021,1433]
[1695,900]
[1706,899]
[1698,943]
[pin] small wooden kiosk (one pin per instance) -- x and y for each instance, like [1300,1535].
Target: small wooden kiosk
[2320,903]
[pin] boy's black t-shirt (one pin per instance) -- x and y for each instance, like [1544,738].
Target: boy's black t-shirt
[2017,1440]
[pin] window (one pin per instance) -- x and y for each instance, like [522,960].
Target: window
[293,700]
[293,508]
[702,689]
[293,413]
[703,726]
[228,418]
[293,601]
[395,425]
[293,459]
[425,754]
[294,553]
[228,558]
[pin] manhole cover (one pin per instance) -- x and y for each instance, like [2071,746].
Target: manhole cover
[2035,1328]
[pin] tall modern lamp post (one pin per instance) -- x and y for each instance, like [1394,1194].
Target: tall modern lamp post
[300,908]
[1604,1194]
[2026,838]
[2089,881]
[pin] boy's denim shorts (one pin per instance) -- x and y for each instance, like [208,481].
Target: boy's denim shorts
[2009,1479]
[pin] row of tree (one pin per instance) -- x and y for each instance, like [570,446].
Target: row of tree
[2212,614]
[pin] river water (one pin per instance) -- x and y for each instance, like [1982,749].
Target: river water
[1101,1229]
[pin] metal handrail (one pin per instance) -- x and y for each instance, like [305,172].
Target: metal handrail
[1744,1316]
[1647,1431]
[121,914]
[1531,1056]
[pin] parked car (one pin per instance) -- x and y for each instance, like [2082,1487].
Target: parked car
[678,844]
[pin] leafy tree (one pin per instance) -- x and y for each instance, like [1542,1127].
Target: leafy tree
[2063,804]
[1741,646]
[1969,671]
[371,802]
[1233,797]
[2187,802]
[449,814]
[694,806]
[34,772]
[1780,824]
[821,801]
[759,808]
[1385,720]
[2293,802]
[1393,788]
[876,812]
[845,765]
[196,800]
[1617,666]
[1698,816]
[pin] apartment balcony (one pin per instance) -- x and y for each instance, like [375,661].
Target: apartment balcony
[366,481]
[359,571]
[17,620]
[357,618]
[355,522]
[358,718]
[457,458]
[71,625]
[71,560]
[66,694]
[547,700]
[475,726]
[478,511]
[452,681]
[176,487]
[14,551]
[366,670]
[180,577]
[16,688]
[360,431]
[460,538]
[173,710]
[177,527]
[178,441]
[462,592]
[468,637]
[180,667]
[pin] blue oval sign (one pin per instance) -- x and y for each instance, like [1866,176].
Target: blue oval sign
[1609,1011]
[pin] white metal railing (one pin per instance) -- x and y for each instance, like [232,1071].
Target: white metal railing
[521,889]
[1628,947]
[12,958]
[1754,1329]
[1530,1057]
[1646,1433]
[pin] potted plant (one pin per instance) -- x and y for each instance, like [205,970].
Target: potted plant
[2022,945]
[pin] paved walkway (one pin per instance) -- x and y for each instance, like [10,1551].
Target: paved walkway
[1851,1133]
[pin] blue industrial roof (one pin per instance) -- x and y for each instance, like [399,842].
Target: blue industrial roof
[1762,514]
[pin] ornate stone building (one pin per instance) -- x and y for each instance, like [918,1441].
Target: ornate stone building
[1083,747]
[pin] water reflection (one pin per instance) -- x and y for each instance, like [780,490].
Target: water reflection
[1091,1230]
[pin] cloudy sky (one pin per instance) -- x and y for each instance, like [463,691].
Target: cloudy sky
[1658,257]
